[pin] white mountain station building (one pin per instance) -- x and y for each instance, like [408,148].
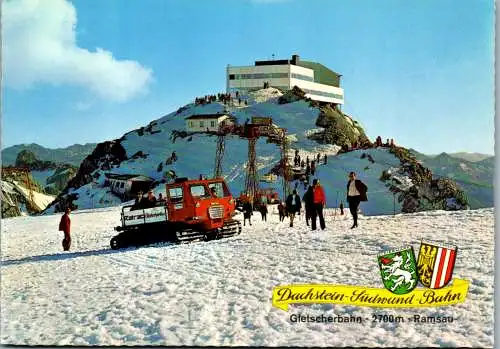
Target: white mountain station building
[207,122]
[319,82]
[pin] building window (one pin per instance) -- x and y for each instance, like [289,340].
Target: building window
[202,124]
[321,93]
[302,77]
[258,76]
[199,191]
[212,123]
[190,124]
[175,195]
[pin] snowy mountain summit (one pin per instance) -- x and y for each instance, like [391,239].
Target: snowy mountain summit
[396,182]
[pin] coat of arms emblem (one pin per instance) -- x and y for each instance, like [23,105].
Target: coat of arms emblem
[435,264]
[399,270]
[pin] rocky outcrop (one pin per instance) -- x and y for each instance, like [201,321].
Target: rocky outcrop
[293,95]
[16,199]
[438,194]
[339,129]
[418,173]
[425,193]
[179,134]
[11,199]
[141,131]
[58,181]
[65,201]
[28,159]
[104,157]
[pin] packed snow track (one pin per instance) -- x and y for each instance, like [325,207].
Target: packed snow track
[219,292]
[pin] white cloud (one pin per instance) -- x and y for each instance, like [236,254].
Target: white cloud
[39,46]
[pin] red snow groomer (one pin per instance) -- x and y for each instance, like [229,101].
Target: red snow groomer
[193,210]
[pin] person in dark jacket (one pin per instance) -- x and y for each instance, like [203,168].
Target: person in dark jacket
[247,212]
[341,207]
[263,211]
[138,202]
[308,203]
[150,200]
[281,211]
[319,201]
[356,192]
[293,206]
[65,226]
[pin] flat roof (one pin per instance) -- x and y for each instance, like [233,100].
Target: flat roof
[275,62]
[127,176]
[206,116]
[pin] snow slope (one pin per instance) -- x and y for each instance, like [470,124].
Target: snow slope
[196,154]
[39,199]
[219,292]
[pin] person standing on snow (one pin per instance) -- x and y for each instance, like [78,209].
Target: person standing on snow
[356,192]
[319,200]
[65,226]
[247,212]
[281,211]
[293,205]
[263,211]
[308,203]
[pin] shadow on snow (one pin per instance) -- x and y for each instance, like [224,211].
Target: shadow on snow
[70,255]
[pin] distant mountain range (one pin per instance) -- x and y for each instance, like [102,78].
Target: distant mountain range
[472,157]
[475,177]
[73,155]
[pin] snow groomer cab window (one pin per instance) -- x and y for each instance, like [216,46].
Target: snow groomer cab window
[220,189]
[199,191]
[176,197]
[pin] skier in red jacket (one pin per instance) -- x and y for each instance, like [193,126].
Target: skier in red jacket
[65,226]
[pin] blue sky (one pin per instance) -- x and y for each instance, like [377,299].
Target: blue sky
[420,72]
